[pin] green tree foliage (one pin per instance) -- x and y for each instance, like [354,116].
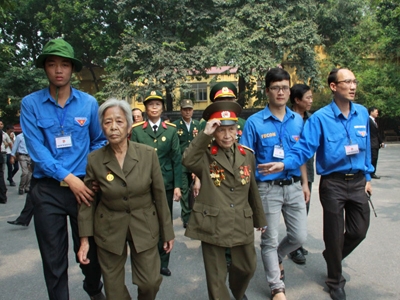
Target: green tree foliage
[163,39]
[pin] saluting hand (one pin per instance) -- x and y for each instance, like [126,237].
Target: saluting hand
[211,126]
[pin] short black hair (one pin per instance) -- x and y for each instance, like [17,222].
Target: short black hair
[371,109]
[133,109]
[298,91]
[8,127]
[276,74]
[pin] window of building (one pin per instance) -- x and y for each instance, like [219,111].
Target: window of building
[198,92]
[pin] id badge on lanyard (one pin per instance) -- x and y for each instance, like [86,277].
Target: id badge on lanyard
[352,149]
[63,141]
[279,152]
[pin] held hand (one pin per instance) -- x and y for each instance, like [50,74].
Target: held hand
[168,246]
[269,168]
[12,160]
[196,187]
[81,191]
[368,188]
[83,251]
[306,192]
[177,194]
[262,229]
[211,126]
[95,186]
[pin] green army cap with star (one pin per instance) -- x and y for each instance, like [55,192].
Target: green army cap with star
[223,90]
[153,95]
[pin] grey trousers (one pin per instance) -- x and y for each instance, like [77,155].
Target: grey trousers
[288,200]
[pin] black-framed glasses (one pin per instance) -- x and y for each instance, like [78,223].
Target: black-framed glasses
[277,89]
[349,81]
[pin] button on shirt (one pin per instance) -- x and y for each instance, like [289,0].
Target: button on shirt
[328,131]
[263,131]
[41,119]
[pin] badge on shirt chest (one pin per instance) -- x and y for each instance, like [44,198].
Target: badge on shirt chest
[244,174]
[352,149]
[110,177]
[216,174]
[278,152]
[180,131]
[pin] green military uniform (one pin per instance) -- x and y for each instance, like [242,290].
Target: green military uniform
[185,137]
[225,212]
[165,141]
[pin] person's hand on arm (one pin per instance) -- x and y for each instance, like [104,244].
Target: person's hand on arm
[81,191]
[271,167]
[168,246]
[12,159]
[83,251]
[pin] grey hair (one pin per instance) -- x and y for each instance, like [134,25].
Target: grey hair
[119,103]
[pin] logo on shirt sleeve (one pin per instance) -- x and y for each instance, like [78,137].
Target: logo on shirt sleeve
[80,120]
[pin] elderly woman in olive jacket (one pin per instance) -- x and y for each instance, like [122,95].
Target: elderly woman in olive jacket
[132,208]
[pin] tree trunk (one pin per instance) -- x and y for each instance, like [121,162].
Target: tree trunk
[95,81]
[169,99]
[242,91]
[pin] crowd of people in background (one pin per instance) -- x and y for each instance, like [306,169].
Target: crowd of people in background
[115,173]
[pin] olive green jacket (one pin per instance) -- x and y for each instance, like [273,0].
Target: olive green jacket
[132,197]
[228,206]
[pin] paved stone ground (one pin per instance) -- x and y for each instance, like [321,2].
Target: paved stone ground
[371,270]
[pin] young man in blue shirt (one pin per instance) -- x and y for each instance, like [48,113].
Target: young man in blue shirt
[271,133]
[339,134]
[61,127]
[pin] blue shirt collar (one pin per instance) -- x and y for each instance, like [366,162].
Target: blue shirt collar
[267,114]
[48,97]
[337,112]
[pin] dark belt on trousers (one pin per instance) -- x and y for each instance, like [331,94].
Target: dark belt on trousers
[282,182]
[23,154]
[342,176]
[52,181]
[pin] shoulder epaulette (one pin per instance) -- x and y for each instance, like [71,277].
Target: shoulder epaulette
[170,124]
[138,124]
[245,147]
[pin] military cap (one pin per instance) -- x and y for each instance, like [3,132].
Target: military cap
[187,103]
[58,47]
[223,90]
[153,95]
[225,111]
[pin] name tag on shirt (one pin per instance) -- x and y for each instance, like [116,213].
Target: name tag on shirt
[64,141]
[352,149]
[278,152]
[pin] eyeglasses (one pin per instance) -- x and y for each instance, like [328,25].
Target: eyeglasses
[349,81]
[277,89]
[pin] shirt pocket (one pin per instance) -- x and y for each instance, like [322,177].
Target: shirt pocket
[336,143]
[48,125]
[80,132]
[361,139]
[248,221]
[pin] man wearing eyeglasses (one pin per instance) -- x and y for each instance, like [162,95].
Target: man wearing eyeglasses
[339,134]
[271,133]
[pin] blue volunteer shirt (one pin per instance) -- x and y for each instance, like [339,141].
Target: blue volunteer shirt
[43,120]
[327,132]
[263,131]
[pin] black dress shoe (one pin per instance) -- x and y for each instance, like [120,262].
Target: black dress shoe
[165,272]
[17,223]
[12,183]
[337,294]
[298,257]
[305,251]
[374,176]
[184,225]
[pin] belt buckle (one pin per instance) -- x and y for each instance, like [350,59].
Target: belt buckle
[348,176]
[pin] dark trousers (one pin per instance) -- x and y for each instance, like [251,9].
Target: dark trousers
[374,157]
[3,189]
[53,204]
[185,206]
[346,220]
[26,214]
[11,168]
[165,256]
[241,270]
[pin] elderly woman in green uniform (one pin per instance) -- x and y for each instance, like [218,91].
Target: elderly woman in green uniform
[228,207]
[163,137]
[132,208]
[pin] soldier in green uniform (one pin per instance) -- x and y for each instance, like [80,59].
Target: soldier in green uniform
[228,207]
[187,129]
[225,91]
[162,136]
